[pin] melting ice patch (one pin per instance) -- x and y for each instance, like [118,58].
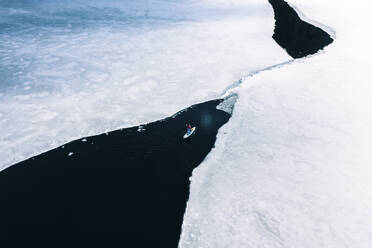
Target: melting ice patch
[77,68]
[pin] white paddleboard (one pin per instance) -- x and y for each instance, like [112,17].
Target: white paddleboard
[191,133]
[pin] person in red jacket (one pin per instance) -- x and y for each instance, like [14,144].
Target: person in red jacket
[188,128]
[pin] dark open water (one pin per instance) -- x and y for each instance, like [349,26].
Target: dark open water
[296,36]
[127,188]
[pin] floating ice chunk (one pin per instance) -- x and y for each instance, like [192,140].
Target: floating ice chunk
[228,104]
[70,154]
[141,128]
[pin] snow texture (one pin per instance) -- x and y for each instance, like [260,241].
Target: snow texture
[70,69]
[292,167]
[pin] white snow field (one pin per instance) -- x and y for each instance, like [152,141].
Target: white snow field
[75,68]
[292,167]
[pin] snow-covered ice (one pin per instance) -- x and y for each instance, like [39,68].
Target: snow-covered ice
[70,69]
[292,167]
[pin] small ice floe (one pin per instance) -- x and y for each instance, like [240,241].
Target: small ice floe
[84,140]
[107,133]
[70,154]
[63,147]
[228,103]
[141,128]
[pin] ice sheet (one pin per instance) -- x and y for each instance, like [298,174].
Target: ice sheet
[292,167]
[75,68]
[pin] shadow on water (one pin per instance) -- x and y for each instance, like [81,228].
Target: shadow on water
[297,37]
[127,188]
